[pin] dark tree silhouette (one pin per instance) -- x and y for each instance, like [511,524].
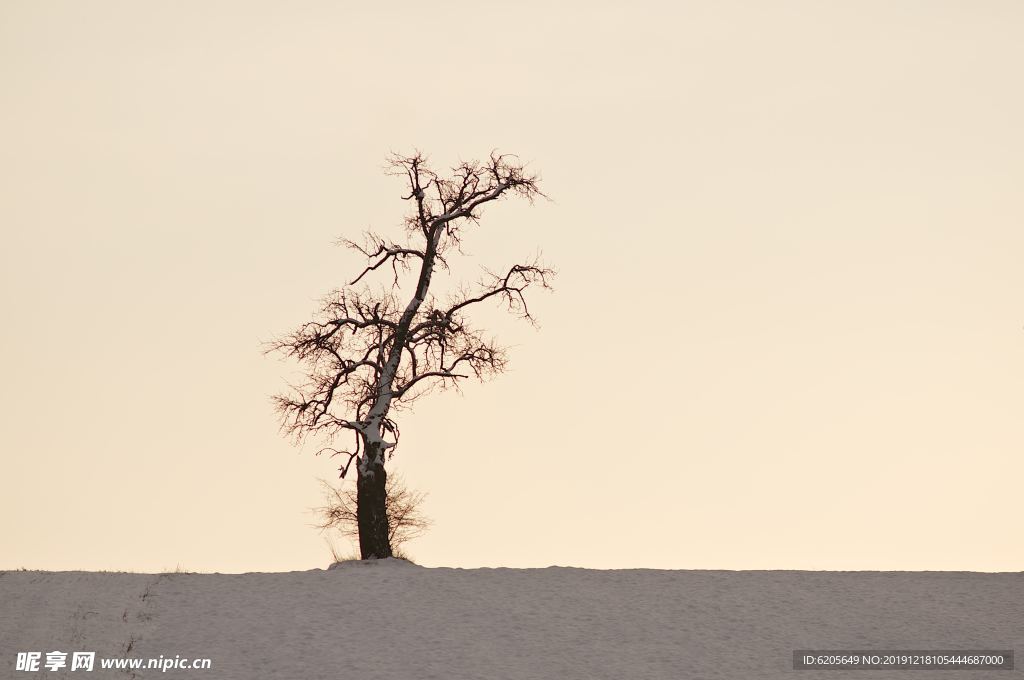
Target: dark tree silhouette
[369,352]
[406,520]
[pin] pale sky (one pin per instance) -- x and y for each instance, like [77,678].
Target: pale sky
[786,331]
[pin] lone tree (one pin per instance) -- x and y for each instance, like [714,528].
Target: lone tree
[368,352]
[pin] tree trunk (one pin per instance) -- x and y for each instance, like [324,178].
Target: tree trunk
[371,510]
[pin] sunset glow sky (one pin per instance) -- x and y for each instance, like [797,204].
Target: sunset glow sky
[786,330]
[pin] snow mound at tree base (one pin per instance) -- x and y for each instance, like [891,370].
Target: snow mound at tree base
[388,563]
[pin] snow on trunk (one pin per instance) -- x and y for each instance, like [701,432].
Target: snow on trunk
[372,431]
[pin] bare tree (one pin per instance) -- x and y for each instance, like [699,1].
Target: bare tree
[406,520]
[368,353]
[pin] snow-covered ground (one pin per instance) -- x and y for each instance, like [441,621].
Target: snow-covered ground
[393,620]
